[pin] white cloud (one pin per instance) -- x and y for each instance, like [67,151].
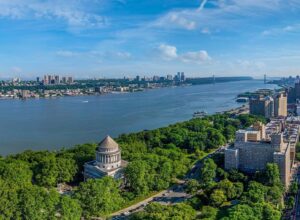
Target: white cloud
[224,14]
[249,64]
[169,53]
[177,20]
[73,12]
[66,53]
[95,54]
[123,55]
[282,30]
[196,57]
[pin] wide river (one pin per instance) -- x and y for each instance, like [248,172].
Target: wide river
[63,122]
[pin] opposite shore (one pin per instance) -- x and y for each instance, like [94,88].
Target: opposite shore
[30,89]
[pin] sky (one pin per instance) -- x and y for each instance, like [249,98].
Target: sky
[116,38]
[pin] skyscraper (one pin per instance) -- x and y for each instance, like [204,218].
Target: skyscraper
[263,106]
[280,104]
[182,77]
[57,79]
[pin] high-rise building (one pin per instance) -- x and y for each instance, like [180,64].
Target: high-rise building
[156,78]
[64,80]
[263,106]
[57,79]
[294,93]
[182,76]
[45,80]
[178,76]
[70,80]
[252,152]
[280,105]
[169,77]
[50,78]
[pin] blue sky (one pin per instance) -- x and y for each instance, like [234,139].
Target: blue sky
[116,38]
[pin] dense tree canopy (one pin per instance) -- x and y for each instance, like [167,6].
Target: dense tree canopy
[99,197]
[208,171]
[155,211]
[156,158]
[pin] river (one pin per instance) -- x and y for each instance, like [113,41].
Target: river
[39,124]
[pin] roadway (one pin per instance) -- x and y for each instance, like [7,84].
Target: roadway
[173,195]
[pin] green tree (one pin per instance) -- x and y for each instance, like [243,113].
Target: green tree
[294,188]
[241,212]
[156,211]
[8,201]
[229,132]
[192,186]
[46,172]
[272,175]
[269,213]
[228,188]
[66,169]
[99,197]
[208,171]
[256,193]
[239,188]
[274,195]
[290,202]
[209,213]
[17,173]
[37,203]
[235,175]
[69,208]
[165,175]
[136,175]
[214,138]
[222,174]
[217,198]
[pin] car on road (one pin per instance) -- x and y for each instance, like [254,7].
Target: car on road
[126,213]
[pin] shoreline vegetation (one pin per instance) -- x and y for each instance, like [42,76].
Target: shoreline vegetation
[156,158]
[30,89]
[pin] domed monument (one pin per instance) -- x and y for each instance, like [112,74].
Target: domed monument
[108,161]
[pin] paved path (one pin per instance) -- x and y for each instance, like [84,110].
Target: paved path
[138,205]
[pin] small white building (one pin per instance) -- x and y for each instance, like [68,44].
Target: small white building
[108,161]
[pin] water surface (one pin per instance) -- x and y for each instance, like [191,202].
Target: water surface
[63,122]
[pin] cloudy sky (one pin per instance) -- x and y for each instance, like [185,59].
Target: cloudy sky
[116,38]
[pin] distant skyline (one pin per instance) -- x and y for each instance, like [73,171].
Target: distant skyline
[116,38]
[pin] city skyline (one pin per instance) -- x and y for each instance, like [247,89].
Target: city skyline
[127,38]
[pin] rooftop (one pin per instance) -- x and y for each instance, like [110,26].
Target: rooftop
[108,143]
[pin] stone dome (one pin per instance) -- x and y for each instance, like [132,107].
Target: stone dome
[108,145]
[108,155]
